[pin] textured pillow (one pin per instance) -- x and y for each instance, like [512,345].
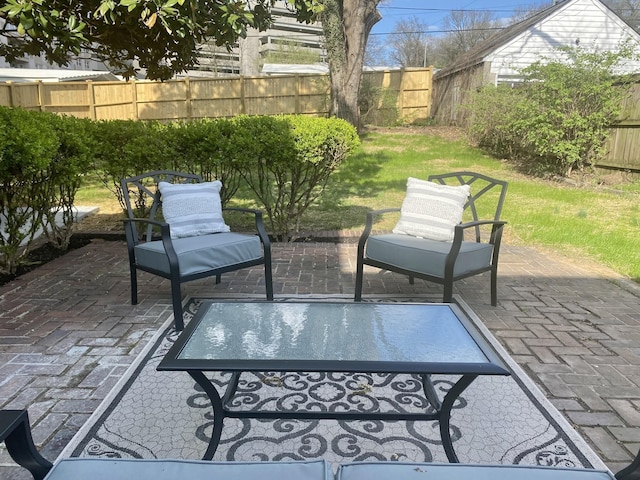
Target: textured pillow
[431,210]
[192,209]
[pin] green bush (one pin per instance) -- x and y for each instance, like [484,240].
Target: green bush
[125,148]
[42,157]
[64,174]
[558,119]
[287,161]
[378,105]
[205,147]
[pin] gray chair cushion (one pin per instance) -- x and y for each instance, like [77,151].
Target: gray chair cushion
[201,253]
[430,471]
[426,256]
[119,469]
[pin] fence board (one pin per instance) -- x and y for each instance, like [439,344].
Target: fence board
[25,95]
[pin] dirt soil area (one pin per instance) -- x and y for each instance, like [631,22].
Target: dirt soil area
[42,255]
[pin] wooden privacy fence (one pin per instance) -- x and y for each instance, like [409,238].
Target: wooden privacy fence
[193,98]
[624,140]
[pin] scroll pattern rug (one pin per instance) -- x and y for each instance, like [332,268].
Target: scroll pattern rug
[166,415]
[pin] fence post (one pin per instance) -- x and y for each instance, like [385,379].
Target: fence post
[297,95]
[401,95]
[187,87]
[41,106]
[134,99]
[243,107]
[10,85]
[91,99]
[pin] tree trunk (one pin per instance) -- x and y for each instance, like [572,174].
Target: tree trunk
[346,25]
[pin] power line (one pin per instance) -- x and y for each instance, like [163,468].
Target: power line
[441,31]
[478,10]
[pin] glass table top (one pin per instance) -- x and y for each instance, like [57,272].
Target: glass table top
[357,332]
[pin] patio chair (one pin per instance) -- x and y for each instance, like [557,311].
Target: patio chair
[193,241]
[429,241]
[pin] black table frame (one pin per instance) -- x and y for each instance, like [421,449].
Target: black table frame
[468,373]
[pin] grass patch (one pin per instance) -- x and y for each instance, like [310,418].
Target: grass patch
[584,222]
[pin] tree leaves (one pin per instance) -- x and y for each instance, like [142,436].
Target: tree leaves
[160,35]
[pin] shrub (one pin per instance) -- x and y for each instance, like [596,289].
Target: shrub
[204,147]
[287,161]
[378,105]
[42,157]
[125,148]
[558,119]
[64,174]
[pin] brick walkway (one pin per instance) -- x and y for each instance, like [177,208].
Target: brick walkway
[68,332]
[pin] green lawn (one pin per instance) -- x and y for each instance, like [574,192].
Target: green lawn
[595,222]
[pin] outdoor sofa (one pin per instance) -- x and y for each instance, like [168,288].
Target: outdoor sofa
[15,432]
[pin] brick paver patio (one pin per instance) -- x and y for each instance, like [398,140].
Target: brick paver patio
[68,332]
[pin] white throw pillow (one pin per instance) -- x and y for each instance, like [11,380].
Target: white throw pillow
[192,209]
[431,210]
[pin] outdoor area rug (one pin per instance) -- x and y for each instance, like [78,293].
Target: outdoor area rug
[152,414]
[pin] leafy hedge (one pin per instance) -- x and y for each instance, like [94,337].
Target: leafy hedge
[284,160]
[42,159]
[282,164]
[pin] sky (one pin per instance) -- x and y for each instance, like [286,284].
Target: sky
[432,12]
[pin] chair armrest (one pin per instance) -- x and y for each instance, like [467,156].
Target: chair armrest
[369,226]
[497,226]
[16,434]
[131,233]
[369,223]
[262,231]
[458,236]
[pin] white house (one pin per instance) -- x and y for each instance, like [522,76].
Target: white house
[587,23]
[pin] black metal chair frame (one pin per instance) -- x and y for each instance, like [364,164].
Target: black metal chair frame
[15,432]
[147,224]
[475,225]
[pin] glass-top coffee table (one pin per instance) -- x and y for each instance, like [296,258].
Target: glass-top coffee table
[389,338]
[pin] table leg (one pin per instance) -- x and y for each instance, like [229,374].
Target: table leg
[218,411]
[445,414]
[430,392]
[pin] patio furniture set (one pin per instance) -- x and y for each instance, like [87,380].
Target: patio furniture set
[236,337]
[428,241]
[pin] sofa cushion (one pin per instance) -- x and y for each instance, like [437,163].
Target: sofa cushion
[426,256]
[431,210]
[433,471]
[202,253]
[120,469]
[192,208]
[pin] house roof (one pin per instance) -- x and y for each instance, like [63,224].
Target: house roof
[53,75]
[477,54]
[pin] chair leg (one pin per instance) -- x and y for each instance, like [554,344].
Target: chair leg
[16,434]
[359,275]
[134,285]
[494,287]
[631,472]
[268,279]
[218,279]
[448,291]
[176,299]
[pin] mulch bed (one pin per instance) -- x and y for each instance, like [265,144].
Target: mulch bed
[42,255]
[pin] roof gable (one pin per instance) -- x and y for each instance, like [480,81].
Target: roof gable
[531,26]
